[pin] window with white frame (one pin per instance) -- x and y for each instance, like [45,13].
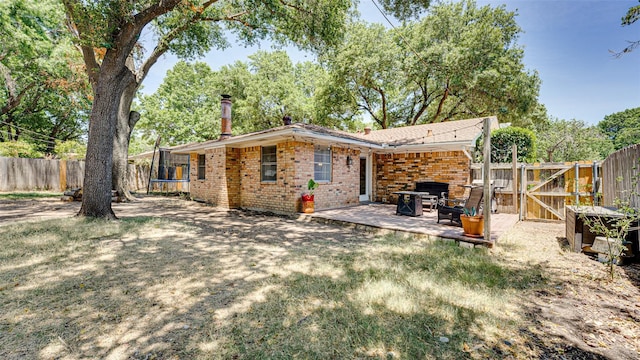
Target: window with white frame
[322,164]
[268,164]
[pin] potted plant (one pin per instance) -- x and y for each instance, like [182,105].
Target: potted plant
[307,197]
[472,223]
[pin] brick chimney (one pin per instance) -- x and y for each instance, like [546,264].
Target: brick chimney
[367,130]
[225,105]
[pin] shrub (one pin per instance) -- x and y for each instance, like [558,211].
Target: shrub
[70,150]
[503,139]
[19,149]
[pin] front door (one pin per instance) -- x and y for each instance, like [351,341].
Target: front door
[364,179]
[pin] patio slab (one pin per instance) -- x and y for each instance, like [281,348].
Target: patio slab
[383,218]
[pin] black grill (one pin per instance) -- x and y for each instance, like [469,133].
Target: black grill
[439,189]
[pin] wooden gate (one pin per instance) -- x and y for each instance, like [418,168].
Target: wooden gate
[543,189]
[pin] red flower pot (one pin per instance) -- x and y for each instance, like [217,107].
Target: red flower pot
[307,203]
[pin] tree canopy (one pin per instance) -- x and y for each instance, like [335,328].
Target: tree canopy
[186,106]
[622,128]
[273,87]
[571,140]
[45,95]
[183,109]
[502,141]
[459,61]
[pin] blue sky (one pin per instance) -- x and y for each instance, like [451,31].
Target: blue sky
[567,42]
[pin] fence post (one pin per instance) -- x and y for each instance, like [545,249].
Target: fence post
[523,185]
[594,185]
[514,163]
[487,179]
[576,168]
[63,174]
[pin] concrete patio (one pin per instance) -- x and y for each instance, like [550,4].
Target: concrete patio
[383,218]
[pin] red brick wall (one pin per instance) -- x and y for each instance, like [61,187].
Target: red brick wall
[278,196]
[233,178]
[344,188]
[221,177]
[393,171]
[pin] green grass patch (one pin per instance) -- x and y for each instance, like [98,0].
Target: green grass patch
[29,195]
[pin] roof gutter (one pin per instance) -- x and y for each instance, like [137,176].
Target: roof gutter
[280,133]
[451,145]
[329,138]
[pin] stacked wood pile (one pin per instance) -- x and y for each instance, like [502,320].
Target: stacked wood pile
[72,195]
[76,195]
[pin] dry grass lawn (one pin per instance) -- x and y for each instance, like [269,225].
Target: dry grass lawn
[186,281]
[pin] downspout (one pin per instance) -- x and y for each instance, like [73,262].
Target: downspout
[466,152]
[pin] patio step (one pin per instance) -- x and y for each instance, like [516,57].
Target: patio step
[461,240]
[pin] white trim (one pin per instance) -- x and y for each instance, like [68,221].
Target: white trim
[466,152]
[368,177]
[274,136]
[443,146]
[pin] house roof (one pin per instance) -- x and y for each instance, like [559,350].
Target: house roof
[449,135]
[443,132]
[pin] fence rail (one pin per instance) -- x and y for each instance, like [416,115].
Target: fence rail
[19,174]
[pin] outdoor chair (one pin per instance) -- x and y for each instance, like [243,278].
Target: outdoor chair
[452,213]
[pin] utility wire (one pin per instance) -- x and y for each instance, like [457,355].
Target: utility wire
[39,137]
[456,130]
[400,34]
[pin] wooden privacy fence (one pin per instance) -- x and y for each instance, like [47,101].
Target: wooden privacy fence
[19,174]
[621,176]
[543,189]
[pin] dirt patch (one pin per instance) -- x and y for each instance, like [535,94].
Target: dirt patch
[582,314]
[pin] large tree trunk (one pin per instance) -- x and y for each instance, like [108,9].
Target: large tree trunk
[126,122]
[96,196]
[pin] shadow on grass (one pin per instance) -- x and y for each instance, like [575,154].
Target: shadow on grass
[234,285]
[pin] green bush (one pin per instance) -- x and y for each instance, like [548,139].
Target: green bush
[19,149]
[503,139]
[70,150]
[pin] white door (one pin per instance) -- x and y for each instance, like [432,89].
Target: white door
[365,178]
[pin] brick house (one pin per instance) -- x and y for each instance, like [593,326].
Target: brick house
[268,170]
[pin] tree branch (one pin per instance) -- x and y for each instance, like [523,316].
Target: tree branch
[444,97]
[163,44]
[15,98]
[8,79]
[92,66]
[368,107]
[297,8]
[418,114]
[88,55]
[152,12]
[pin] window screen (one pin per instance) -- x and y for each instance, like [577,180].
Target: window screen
[322,164]
[201,167]
[268,165]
